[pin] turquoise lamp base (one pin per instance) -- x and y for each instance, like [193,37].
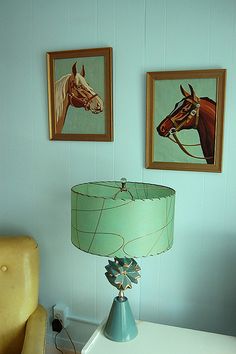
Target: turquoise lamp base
[120,326]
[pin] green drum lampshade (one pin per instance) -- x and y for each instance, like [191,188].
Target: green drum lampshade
[124,220]
[134,222]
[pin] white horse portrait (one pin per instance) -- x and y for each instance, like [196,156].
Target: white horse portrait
[73,90]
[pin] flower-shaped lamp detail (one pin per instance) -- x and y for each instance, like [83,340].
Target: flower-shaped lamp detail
[122,272]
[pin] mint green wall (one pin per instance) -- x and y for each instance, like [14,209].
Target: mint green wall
[194,284]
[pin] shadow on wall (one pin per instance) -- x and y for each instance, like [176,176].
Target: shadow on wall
[211,294]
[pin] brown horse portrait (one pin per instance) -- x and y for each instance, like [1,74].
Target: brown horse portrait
[192,112]
[73,90]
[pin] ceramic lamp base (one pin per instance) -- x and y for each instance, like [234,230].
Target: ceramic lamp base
[120,326]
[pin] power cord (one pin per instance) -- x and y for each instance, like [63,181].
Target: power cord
[55,342]
[57,326]
[70,339]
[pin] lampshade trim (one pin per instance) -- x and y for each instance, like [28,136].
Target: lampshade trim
[102,183]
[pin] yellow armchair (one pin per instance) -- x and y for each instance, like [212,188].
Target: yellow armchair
[23,321]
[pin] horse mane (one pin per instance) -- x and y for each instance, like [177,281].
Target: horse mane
[208,99]
[60,94]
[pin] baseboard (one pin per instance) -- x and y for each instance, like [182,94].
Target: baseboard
[62,343]
[52,350]
[79,331]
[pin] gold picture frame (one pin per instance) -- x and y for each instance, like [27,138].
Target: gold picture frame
[184,120]
[80,94]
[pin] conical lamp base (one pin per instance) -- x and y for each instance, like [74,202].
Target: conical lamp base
[120,326]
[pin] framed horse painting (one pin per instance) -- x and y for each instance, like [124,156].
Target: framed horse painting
[184,122]
[80,94]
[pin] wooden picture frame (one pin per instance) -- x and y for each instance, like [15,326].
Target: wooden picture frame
[80,94]
[185,109]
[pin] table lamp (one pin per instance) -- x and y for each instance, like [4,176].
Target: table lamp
[123,220]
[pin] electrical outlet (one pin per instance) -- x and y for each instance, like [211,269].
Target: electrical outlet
[60,312]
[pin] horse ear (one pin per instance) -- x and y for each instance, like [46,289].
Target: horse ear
[185,93]
[193,94]
[82,73]
[74,69]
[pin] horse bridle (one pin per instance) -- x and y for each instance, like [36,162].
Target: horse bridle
[190,114]
[82,100]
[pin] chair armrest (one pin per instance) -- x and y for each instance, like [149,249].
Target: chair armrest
[34,341]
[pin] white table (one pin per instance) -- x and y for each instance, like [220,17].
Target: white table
[160,339]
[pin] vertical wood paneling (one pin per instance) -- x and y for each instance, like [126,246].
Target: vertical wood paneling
[83,34]
[15,119]
[225,22]
[50,222]
[154,60]
[155,39]
[129,89]
[193,285]
[104,158]
[187,34]
[82,23]
[106,38]
[183,295]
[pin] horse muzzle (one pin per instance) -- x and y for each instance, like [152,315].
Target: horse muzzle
[164,128]
[95,105]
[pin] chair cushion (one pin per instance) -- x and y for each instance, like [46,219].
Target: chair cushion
[19,268]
